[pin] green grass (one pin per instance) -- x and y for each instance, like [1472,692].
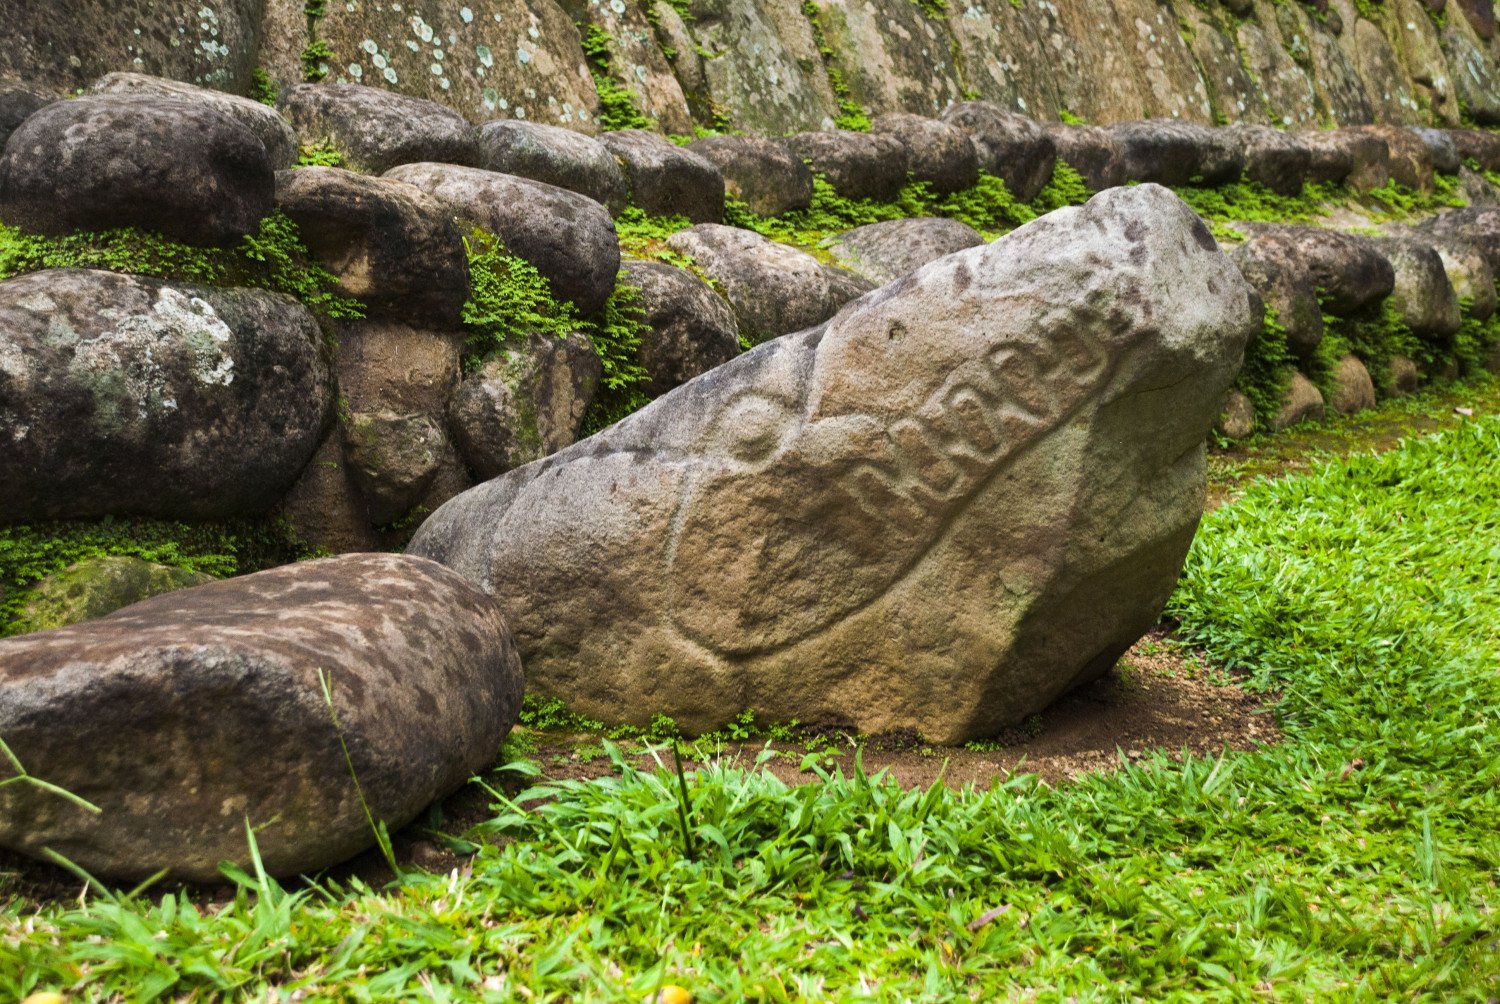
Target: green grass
[1358,861]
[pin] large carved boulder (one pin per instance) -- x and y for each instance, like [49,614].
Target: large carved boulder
[884,252]
[175,167]
[126,395]
[961,496]
[191,715]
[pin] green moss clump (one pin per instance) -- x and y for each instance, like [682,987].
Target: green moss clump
[1267,370]
[262,87]
[319,154]
[617,106]
[616,336]
[29,553]
[273,258]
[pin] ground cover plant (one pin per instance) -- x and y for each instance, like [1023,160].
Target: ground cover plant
[1359,860]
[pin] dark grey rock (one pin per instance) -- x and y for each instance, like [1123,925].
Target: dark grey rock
[665,179]
[1273,269]
[1010,146]
[570,238]
[1273,158]
[392,245]
[690,328]
[1479,225]
[1445,155]
[376,129]
[175,167]
[1092,151]
[554,155]
[773,289]
[936,152]
[762,173]
[527,402]
[884,252]
[1359,158]
[17,105]
[859,165]
[392,459]
[274,132]
[1170,152]
[126,395]
[1478,144]
[1410,158]
[191,715]
[1348,270]
[1422,292]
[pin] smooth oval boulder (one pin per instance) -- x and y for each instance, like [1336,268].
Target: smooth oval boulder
[189,716]
[665,179]
[1274,158]
[94,587]
[689,328]
[1478,145]
[963,495]
[391,245]
[526,402]
[1347,270]
[937,152]
[762,173]
[772,288]
[1012,147]
[174,167]
[375,129]
[568,237]
[1445,156]
[884,252]
[1348,155]
[1300,402]
[274,132]
[126,395]
[1291,297]
[1478,225]
[1353,390]
[1092,151]
[554,155]
[1421,293]
[859,165]
[1170,152]
[392,458]
[1409,158]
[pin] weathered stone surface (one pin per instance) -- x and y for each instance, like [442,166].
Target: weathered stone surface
[762,173]
[1387,86]
[1361,159]
[391,245]
[1273,158]
[1238,418]
[525,403]
[762,66]
[1410,162]
[392,459]
[772,288]
[858,165]
[1303,402]
[121,394]
[485,58]
[325,508]
[873,507]
[1422,292]
[120,160]
[189,716]
[1092,152]
[1235,94]
[1468,272]
[1335,79]
[1176,153]
[892,55]
[1353,389]
[1479,225]
[17,104]
[1445,158]
[60,47]
[666,180]
[1475,82]
[884,252]
[277,135]
[397,367]
[94,587]
[1481,16]
[1347,269]
[568,237]
[938,153]
[636,59]
[556,156]
[1010,146]
[1480,145]
[374,130]
[1276,272]
[1277,53]
[689,328]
